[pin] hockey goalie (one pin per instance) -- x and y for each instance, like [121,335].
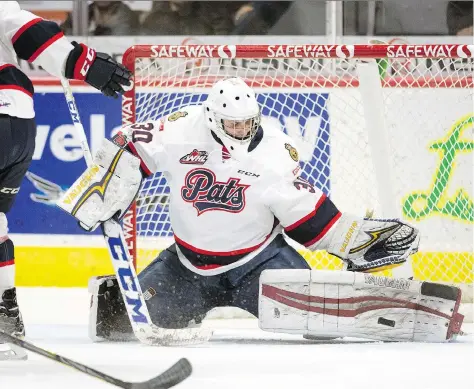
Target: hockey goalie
[237,197]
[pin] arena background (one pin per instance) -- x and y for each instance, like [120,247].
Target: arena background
[51,250]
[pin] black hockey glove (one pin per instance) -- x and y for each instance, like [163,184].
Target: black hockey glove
[97,69]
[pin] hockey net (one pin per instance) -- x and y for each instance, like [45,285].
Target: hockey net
[380,128]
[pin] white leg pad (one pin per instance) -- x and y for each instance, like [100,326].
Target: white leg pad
[337,303]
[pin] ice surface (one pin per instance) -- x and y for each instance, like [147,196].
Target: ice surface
[239,356]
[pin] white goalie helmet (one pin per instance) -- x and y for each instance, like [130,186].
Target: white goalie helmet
[233,114]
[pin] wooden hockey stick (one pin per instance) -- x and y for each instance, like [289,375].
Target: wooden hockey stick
[169,378]
[137,310]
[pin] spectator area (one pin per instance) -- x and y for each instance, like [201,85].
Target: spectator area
[403,17]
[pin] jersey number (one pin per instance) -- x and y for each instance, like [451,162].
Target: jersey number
[141,132]
[301,183]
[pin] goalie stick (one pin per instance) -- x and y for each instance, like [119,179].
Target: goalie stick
[137,310]
[169,378]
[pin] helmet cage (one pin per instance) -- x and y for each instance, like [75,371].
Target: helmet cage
[254,125]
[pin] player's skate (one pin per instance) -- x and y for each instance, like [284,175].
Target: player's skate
[11,322]
[10,316]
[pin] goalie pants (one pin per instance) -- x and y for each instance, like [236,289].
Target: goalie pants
[17,145]
[176,295]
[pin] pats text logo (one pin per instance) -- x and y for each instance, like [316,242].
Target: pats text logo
[207,194]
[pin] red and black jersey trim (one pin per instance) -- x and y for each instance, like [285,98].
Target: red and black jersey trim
[208,260]
[7,254]
[13,78]
[34,37]
[311,228]
[146,172]
[121,141]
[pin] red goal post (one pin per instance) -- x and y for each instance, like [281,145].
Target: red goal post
[369,117]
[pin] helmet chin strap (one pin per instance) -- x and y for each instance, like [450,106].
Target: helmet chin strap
[249,147]
[237,151]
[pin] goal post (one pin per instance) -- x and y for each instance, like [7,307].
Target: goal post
[386,128]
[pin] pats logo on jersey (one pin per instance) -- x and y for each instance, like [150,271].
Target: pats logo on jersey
[175,116]
[207,194]
[195,157]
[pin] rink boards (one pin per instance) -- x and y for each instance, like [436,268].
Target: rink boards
[55,252]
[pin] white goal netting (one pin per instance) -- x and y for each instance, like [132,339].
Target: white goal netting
[390,135]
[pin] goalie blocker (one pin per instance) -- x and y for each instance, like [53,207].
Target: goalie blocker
[106,189]
[337,304]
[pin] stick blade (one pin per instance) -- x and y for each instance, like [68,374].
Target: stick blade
[169,378]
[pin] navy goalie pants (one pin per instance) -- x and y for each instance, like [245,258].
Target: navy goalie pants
[176,295]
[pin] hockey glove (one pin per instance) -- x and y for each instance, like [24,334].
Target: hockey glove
[372,244]
[99,70]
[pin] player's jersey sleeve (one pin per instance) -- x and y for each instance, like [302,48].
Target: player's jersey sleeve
[33,39]
[304,211]
[146,141]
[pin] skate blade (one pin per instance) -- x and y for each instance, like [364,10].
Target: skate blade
[11,352]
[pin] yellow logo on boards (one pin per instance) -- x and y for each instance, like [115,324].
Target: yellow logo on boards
[175,116]
[292,151]
[436,200]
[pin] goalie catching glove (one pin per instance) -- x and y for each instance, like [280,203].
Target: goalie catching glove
[106,189]
[371,244]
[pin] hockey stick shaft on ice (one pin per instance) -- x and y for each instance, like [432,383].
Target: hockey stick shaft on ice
[137,310]
[171,377]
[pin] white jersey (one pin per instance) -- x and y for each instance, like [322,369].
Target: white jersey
[224,212]
[29,37]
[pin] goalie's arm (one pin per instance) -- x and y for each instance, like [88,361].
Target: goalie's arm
[310,218]
[145,141]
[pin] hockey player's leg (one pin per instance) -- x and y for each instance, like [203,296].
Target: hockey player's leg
[278,255]
[10,317]
[16,151]
[336,303]
[246,296]
[173,299]
[174,294]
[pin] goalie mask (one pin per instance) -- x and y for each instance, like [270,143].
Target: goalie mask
[233,114]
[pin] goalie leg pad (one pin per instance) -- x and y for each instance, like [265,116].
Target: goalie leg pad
[336,303]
